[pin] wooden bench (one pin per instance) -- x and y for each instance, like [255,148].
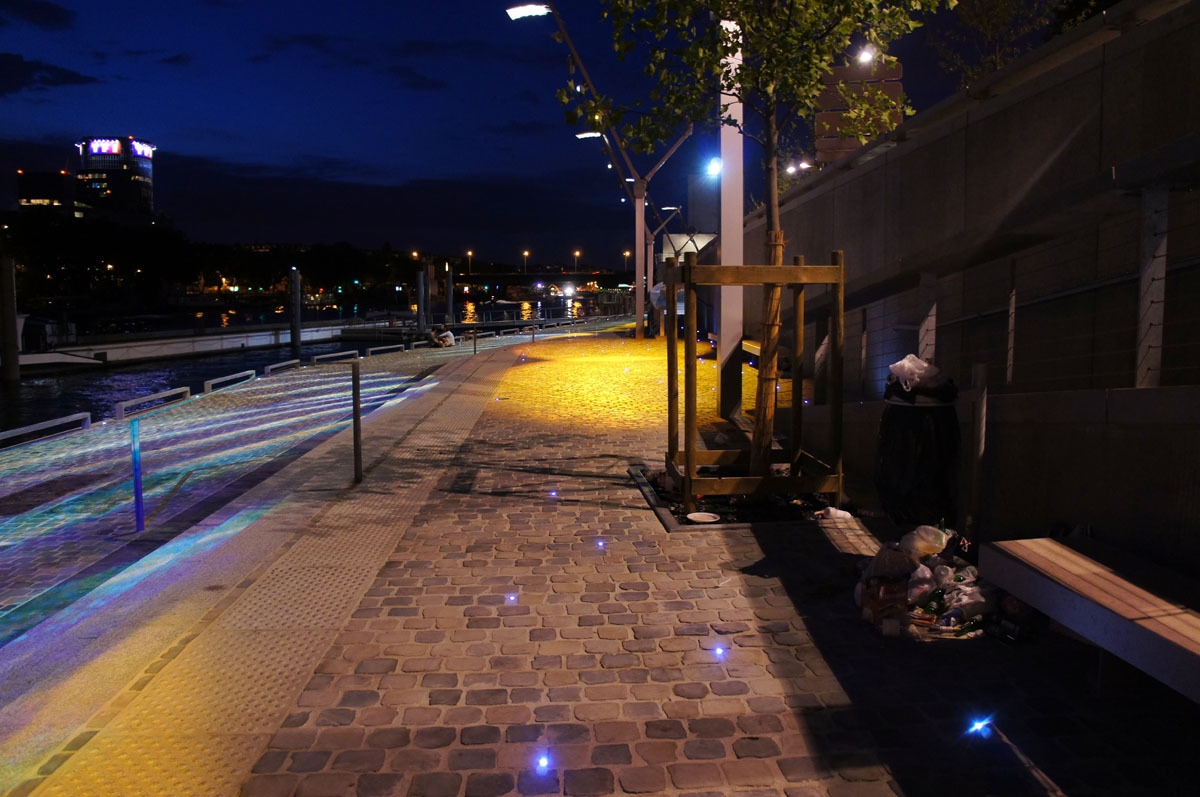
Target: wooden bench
[1090,589]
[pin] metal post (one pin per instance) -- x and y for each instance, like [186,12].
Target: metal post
[449,295]
[639,256]
[672,330]
[837,345]
[474,341]
[11,346]
[979,376]
[296,303]
[356,399]
[135,445]
[689,383]
[421,300]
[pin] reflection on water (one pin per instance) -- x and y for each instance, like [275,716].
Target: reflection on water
[483,312]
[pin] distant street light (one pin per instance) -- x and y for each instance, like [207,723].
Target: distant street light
[525,255]
[626,253]
[470,254]
[414,254]
[577,259]
[528,10]
[714,167]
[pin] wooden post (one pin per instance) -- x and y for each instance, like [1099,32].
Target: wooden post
[768,367]
[689,383]
[672,330]
[797,439]
[837,346]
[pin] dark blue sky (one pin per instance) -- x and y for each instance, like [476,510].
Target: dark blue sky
[431,125]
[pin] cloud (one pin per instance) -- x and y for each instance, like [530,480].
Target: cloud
[39,13]
[179,59]
[350,53]
[526,128]
[17,75]
[413,80]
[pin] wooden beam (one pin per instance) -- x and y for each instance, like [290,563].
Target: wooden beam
[759,485]
[759,275]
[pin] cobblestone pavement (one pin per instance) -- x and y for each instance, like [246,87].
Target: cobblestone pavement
[495,611]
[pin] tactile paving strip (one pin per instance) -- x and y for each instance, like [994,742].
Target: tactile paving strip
[176,764]
[299,597]
[271,667]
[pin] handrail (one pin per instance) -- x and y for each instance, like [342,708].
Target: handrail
[86,417]
[120,407]
[374,349]
[279,366]
[245,375]
[333,354]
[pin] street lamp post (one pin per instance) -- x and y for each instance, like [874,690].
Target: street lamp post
[470,254]
[525,268]
[639,182]
[626,253]
[577,259]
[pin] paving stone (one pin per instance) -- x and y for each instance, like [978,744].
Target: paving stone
[759,724]
[523,733]
[611,754]
[643,780]
[434,737]
[665,729]
[444,697]
[583,782]
[489,784]
[695,776]
[270,761]
[703,749]
[691,691]
[486,697]
[377,784]
[710,727]
[358,761]
[567,733]
[480,734]
[756,747]
[327,784]
[388,737]
[309,761]
[472,758]
[531,782]
[802,768]
[435,784]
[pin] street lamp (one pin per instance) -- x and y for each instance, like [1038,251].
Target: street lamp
[577,259]
[626,253]
[470,254]
[637,190]
[525,255]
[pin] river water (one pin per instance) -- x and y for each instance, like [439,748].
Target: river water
[43,398]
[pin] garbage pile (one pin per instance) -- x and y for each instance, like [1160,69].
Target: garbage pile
[923,587]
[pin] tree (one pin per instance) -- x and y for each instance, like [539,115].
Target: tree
[788,49]
[989,34]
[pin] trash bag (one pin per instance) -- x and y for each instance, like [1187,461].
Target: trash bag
[890,563]
[920,584]
[924,541]
[916,465]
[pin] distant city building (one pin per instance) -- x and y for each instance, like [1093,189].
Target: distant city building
[51,190]
[115,177]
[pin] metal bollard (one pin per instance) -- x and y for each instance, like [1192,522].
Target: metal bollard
[474,341]
[357,401]
[135,445]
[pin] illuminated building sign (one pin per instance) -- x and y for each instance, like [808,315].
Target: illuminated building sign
[142,149]
[104,146]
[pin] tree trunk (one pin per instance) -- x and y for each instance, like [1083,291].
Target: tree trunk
[768,361]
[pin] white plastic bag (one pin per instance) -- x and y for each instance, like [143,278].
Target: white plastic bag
[924,540]
[912,370]
[920,584]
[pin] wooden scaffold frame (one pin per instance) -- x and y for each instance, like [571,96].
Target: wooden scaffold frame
[807,473]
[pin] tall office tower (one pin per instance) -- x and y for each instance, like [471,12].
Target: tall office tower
[116,176]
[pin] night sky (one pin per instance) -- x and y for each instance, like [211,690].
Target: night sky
[428,125]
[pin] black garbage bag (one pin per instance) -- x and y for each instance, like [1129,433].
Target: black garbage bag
[916,467]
